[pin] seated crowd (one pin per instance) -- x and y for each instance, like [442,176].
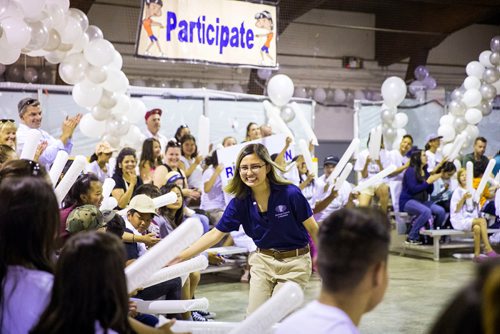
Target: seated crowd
[431,189]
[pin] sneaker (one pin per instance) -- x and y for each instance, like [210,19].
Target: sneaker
[480,259]
[196,316]
[492,254]
[413,242]
[207,315]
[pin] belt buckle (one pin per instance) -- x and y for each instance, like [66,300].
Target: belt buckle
[276,253]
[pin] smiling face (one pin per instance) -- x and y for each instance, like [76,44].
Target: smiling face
[32,117]
[172,156]
[462,178]
[154,123]
[301,165]
[93,195]
[328,169]
[156,149]
[405,145]
[253,170]
[8,137]
[253,132]
[128,164]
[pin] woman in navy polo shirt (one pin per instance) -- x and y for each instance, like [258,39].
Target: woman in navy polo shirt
[278,218]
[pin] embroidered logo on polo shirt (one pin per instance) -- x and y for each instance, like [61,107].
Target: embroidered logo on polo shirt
[281,211]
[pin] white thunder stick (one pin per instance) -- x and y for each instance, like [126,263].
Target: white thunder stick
[375,141]
[31,144]
[198,327]
[273,114]
[344,160]
[469,175]
[171,306]
[203,135]
[343,176]
[107,187]
[375,178]
[162,253]
[304,148]
[311,136]
[282,303]
[177,270]
[484,180]
[165,199]
[58,166]
[70,177]
[457,146]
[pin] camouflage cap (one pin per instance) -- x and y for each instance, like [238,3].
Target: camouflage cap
[84,218]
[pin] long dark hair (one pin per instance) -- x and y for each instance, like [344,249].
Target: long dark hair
[148,154]
[80,187]
[212,160]
[416,163]
[178,132]
[186,138]
[29,225]
[179,214]
[119,159]
[237,187]
[23,167]
[89,286]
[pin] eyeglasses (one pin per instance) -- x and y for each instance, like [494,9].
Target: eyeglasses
[4,120]
[29,102]
[254,168]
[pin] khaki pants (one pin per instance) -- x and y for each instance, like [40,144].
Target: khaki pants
[267,276]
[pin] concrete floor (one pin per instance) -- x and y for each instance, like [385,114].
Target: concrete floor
[418,291]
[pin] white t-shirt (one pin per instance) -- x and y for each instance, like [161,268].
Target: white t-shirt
[461,220]
[141,247]
[339,202]
[398,160]
[373,168]
[318,318]
[214,199]
[26,294]
[432,160]
[195,179]
[93,167]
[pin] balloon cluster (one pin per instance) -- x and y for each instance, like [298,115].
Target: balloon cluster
[393,122]
[423,81]
[335,96]
[62,35]
[31,74]
[474,99]
[280,90]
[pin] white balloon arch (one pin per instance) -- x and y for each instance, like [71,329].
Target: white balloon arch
[62,35]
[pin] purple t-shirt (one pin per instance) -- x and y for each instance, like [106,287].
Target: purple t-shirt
[281,227]
[26,293]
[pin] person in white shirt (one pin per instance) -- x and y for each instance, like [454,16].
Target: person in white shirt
[353,246]
[327,199]
[212,196]
[399,159]
[99,161]
[368,168]
[30,113]
[434,158]
[153,124]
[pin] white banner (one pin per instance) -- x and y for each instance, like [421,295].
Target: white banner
[227,156]
[225,32]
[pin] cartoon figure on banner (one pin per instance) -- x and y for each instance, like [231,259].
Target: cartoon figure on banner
[153,8]
[265,21]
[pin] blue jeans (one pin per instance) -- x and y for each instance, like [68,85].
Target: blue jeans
[424,212]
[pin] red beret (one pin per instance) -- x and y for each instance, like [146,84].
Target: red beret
[154,111]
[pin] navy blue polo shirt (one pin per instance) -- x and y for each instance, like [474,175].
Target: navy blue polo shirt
[281,227]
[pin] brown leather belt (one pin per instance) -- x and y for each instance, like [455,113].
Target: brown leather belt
[280,255]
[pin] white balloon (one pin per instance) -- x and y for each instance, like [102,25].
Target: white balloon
[280,89]
[319,95]
[446,120]
[472,97]
[32,9]
[300,92]
[475,69]
[87,94]
[80,17]
[96,74]
[100,113]
[55,16]
[90,127]
[99,52]
[136,112]
[116,81]
[400,120]
[108,100]
[472,131]
[117,61]
[80,44]
[94,33]
[122,104]
[472,83]
[55,57]
[447,132]
[9,56]
[339,95]
[393,91]
[72,31]
[117,126]
[72,68]
[484,58]
[112,140]
[473,116]
[447,149]
[359,94]
[16,32]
